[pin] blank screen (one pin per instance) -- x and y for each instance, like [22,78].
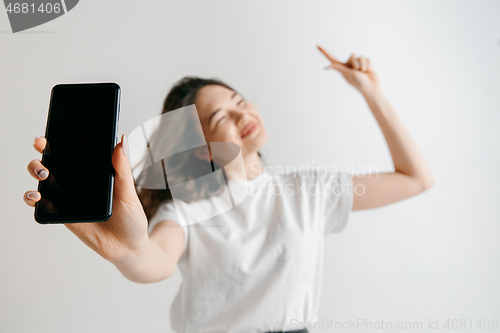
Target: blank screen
[80,140]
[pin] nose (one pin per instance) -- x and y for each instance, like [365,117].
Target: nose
[239,116]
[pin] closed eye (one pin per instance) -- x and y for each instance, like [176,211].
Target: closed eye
[218,121]
[242,102]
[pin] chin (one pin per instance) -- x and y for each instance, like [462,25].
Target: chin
[257,143]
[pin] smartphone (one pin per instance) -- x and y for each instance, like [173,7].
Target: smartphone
[81,134]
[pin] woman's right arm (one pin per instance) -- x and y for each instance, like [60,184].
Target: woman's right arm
[123,239]
[157,258]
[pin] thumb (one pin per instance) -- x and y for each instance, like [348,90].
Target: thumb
[124,180]
[344,70]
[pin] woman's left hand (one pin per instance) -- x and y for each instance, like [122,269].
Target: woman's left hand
[357,71]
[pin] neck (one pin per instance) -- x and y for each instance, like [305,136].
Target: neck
[253,168]
[253,165]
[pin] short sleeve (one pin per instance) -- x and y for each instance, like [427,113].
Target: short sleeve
[167,212]
[337,201]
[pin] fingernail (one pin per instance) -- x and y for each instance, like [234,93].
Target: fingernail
[32,195]
[42,173]
[124,144]
[38,137]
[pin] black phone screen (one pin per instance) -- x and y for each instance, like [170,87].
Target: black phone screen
[81,135]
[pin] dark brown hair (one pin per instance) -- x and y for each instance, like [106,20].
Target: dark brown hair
[183,93]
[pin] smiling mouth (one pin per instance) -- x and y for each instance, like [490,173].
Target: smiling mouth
[249,129]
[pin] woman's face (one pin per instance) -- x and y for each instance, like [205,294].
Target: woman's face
[226,117]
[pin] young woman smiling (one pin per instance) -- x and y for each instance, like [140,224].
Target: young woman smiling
[257,267]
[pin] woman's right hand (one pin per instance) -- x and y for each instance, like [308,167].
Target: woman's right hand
[119,238]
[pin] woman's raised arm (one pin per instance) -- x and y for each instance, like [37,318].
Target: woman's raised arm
[412,175]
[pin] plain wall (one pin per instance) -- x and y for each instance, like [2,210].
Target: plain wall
[433,257]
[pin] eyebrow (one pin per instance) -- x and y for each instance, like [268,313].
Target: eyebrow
[213,114]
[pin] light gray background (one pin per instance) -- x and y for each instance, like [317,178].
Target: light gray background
[434,256]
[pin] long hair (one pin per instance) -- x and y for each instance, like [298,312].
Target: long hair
[182,94]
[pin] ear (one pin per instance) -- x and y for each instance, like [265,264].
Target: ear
[202,153]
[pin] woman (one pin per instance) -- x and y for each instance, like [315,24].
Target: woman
[258,266]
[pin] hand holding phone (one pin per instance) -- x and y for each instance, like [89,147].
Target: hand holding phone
[123,232]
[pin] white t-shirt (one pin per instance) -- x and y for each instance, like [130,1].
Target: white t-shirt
[258,267]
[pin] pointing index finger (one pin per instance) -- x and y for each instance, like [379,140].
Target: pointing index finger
[329,56]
